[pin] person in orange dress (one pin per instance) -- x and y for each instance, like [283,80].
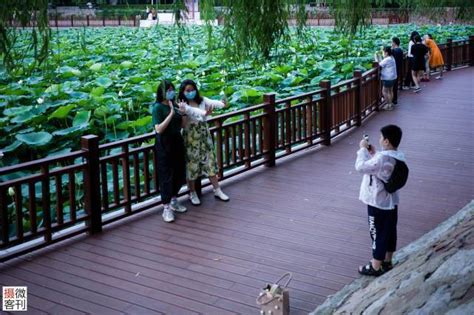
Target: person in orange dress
[435,56]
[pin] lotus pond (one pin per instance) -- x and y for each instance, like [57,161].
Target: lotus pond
[102,80]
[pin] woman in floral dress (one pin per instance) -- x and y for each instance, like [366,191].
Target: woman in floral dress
[200,155]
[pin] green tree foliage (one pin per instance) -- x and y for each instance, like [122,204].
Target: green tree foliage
[180,13]
[350,15]
[254,25]
[208,14]
[31,13]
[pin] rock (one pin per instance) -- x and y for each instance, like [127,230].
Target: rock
[433,275]
[462,309]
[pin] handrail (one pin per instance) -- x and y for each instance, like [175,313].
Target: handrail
[41,162]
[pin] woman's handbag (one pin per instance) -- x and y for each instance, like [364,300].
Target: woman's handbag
[275,298]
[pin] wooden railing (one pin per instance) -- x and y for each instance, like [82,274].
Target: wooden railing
[56,20]
[49,200]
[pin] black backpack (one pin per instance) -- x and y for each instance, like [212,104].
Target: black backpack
[399,177]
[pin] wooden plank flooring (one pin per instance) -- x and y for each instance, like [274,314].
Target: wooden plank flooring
[302,216]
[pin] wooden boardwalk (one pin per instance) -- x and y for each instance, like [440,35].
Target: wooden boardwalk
[301,216]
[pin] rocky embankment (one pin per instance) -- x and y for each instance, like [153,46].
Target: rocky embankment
[433,275]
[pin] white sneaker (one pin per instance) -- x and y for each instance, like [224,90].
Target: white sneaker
[388,107]
[176,207]
[168,215]
[220,195]
[193,197]
[439,78]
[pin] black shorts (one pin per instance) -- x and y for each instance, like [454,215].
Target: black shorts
[383,230]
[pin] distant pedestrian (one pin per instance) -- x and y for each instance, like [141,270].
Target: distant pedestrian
[388,76]
[397,54]
[409,77]
[419,52]
[436,60]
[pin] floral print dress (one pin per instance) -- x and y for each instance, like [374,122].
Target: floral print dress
[200,154]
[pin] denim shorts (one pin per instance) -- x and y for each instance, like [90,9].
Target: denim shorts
[388,83]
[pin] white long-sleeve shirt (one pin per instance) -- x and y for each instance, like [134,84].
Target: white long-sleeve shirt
[410,43]
[377,169]
[389,68]
[196,114]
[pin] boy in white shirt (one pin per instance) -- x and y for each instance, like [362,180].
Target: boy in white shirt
[377,168]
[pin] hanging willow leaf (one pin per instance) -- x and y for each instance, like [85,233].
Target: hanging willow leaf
[254,26]
[16,14]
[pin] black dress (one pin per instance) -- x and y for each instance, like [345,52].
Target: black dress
[169,145]
[419,51]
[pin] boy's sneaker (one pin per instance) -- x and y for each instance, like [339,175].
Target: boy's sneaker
[368,270]
[193,197]
[405,88]
[417,90]
[176,207]
[387,266]
[220,195]
[168,215]
[439,78]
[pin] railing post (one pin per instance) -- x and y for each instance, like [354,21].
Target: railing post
[87,18]
[269,129]
[127,190]
[358,97]
[471,50]
[90,145]
[309,120]
[379,87]
[56,19]
[103,19]
[449,62]
[326,111]
[72,20]
[46,202]
[119,21]
[248,149]
[4,217]
[218,144]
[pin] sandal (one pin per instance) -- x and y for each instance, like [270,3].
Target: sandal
[368,270]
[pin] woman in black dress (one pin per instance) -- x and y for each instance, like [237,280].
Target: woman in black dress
[419,52]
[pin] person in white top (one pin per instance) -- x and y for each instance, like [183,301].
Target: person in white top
[388,76]
[200,155]
[409,78]
[382,206]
